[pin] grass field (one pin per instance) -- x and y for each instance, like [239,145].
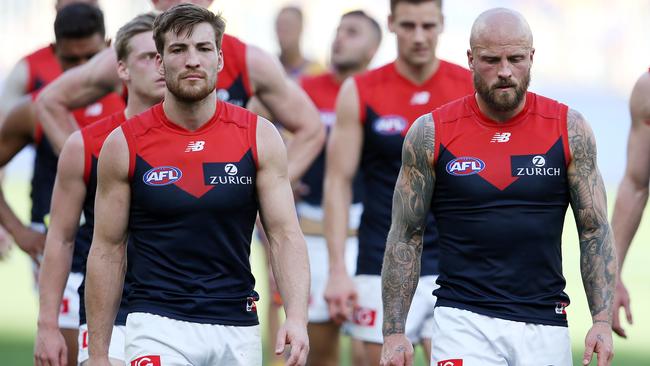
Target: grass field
[18,304]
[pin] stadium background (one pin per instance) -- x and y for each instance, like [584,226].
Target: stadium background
[589,53]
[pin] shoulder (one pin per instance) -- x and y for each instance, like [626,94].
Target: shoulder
[419,144]
[73,147]
[582,141]
[270,147]
[374,76]
[640,98]
[454,70]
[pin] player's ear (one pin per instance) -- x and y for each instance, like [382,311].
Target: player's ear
[532,54]
[123,71]
[159,64]
[221,61]
[391,28]
[470,60]
[108,42]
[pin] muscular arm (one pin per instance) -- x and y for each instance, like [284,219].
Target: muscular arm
[14,87]
[67,202]
[287,248]
[342,161]
[15,133]
[76,88]
[287,245]
[589,204]
[411,201]
[633,191]
[107,257]
[290,106]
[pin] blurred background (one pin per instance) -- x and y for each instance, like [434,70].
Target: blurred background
[588,55]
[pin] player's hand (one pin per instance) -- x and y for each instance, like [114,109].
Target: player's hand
[599,340]
[50,348]
[341,296]
[396,351]
[31,242]
[294,334]
[621,300]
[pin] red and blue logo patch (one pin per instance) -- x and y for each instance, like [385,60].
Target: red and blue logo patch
[465,166]
[162,176]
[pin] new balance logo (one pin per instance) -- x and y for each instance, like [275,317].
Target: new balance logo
[420,98]
[195,146]
[501,137]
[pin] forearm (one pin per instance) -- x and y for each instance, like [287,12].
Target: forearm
[628,210]
[291,270]
[52,278]
[104,282]
[8,218]
[598,269]
[304,146]
[337,199]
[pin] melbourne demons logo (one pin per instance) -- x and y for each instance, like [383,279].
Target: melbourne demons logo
[146,361]
[454,362]
[364,317]
[162,176]
[465,166]
[389,125]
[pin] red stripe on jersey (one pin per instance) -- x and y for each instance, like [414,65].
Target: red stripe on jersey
[94,136]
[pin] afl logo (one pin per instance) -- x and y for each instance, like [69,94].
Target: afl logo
[465,166]
[162,176]
[389,125]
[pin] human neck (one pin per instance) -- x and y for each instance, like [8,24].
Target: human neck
[137,104]
[342,73]
[291,57]
[417,74]
[498,116]
[190,115]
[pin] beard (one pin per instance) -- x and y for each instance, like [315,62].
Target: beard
[501,102]
[190,93]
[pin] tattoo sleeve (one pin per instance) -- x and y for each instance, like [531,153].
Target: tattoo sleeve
[411,201]
[589,204]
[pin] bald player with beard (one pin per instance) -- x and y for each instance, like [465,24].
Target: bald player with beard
[499,169]
[248,71]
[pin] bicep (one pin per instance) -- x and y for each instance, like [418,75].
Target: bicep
[638,146]
[113,191]
[14,87]
[346,135]
[273,187]
[69,188]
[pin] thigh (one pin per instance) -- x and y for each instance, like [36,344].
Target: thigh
[368,316]
[543,345]
[153,340]
[323,344]
[237,345]
[463,338]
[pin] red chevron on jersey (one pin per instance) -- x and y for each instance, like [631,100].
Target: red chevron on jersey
[466,133]
[194,161]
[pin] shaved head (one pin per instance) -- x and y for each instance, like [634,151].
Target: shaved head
[500,26]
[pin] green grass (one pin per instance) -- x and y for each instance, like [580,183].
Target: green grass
[18,305]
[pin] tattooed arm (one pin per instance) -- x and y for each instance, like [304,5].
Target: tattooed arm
[401,268]
[597,256]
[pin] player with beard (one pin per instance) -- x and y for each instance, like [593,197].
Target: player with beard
[357,38]
[184,182]
[74,191]
[499,169]
[248,71]
[373,112]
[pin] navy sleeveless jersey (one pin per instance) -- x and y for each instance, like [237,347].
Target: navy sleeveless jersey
[323,89]
[500,199]
[93,139]
[389,104]
[233,84]
[193,209]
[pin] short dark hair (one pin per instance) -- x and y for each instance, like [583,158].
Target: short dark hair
[393,3]
[140,24]
[185,17]
[373,23]
[292,8]
[79,20]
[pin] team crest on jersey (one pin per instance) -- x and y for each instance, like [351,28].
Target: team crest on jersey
[162,176]
[560,308]
[389,125]
[454,362]
[465,166]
